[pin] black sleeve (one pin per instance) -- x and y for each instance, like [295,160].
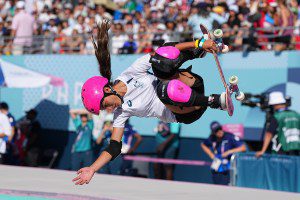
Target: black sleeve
[272,125]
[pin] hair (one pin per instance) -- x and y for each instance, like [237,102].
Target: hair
[101,46]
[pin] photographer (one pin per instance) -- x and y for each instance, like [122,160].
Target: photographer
[283,128]
[219,147]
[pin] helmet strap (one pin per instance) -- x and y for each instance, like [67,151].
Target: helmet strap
[115,93]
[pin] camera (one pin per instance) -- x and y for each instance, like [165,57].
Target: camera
[261,101]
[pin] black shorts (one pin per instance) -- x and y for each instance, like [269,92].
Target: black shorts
[191,117]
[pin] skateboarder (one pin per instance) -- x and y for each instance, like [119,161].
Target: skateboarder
[172,95]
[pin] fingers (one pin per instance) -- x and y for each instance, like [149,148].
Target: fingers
[80,182]
[76,179]
[79,171]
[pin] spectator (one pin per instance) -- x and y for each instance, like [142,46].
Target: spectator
[204,17]
[283,128]
[130,46]
[82,154]
[173,36]
[75,43]
[103,140]
[10,146]
[5,110]
[167,143]
[161,36]
[171,12]
[23,27]
[2,35]
[31,143]
[184,30]
[5,134]
[118,39]
[219,147]
[286,20]
[128,147]
[99,121]
[119,165]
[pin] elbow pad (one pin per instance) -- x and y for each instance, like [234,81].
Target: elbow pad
[114,148]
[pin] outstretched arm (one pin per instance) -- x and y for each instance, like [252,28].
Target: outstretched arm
[208,45]
[84,175]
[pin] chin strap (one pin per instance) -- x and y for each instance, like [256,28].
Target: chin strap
[115,93]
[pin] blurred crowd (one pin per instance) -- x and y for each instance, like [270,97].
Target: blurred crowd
[139,26]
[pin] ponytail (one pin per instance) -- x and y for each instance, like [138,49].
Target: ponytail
[101,46]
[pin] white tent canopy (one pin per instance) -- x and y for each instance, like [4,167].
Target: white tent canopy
[13,76]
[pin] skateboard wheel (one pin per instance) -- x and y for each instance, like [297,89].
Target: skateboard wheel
[240,97]
[225,49]
[233,80]
[218,33]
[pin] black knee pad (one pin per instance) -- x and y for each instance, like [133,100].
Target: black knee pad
[165,68]
[195,99]
[114,148]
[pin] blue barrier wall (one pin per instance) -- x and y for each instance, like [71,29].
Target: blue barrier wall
[189,149]
[258,72]
[274,172]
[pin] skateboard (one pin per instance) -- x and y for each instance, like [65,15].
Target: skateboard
[233,81]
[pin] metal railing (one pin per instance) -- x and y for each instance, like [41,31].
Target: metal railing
[81,44]
[233,170]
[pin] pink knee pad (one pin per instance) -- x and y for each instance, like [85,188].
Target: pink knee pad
[168,52]
[178,91]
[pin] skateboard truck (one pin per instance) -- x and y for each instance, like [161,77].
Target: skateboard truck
[218,34]
[233,80]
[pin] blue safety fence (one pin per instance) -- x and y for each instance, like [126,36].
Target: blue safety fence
[274,172]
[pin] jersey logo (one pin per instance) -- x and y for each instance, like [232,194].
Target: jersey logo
[129,103]
[138,84]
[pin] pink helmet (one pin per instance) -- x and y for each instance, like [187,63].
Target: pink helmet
[92,93]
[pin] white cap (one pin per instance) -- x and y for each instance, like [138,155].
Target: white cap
[276,98]
[161,27]
[68,6]
[234,8]
[20,4]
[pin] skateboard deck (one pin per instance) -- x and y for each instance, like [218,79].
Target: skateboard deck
[229,104]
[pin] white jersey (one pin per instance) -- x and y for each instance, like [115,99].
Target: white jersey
[6,129]
[140,99]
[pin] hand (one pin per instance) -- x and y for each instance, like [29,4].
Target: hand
[259,154]
[130,151]
[210,46]
[226,154]
[84,175]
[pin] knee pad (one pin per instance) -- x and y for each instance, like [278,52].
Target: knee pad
[168,59]
[177,93]
[114,148]
[165,62]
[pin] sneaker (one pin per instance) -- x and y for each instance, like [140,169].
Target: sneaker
[217,101]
